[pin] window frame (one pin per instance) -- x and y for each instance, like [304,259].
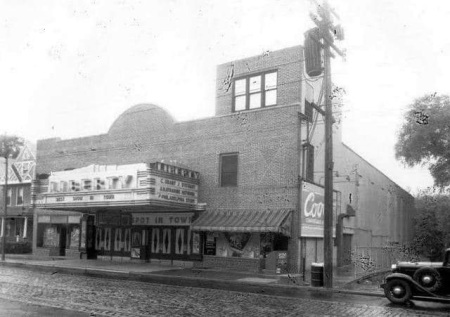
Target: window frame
[308,159]
[19,189]
[262,90]
[9,195]
[221,178]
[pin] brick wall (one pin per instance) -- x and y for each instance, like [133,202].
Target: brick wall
[263,138]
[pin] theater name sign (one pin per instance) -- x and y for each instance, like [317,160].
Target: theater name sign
[98,186]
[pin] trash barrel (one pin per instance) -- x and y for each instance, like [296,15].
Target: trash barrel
[317,274]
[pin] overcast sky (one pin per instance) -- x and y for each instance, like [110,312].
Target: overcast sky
[70,68]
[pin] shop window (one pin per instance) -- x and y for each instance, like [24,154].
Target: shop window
[20,196]
[155,240]
[8,196]
[228,170]
[166,242]
[118,239]
[196,243]
[127,240]
[256,91]
[308,149]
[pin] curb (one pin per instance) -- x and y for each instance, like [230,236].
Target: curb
[187,281]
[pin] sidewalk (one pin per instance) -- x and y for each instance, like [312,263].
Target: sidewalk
[277,284]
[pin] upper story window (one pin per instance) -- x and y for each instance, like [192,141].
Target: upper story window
[308,149]
[20,196]
[8,196]
[228,169]
[255,91]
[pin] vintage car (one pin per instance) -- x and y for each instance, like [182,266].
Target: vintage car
[427,281]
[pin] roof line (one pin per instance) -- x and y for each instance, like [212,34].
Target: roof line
[362,158]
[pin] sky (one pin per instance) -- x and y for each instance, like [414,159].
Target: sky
[69,68]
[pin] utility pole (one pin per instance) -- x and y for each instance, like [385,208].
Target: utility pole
[327,31]
[5,210]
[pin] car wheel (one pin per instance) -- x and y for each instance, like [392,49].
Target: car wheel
[428,278]
[398,291]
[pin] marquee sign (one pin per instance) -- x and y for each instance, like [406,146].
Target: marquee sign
[120,185]
[313,208]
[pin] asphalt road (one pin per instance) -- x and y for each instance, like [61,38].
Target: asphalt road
[44,293]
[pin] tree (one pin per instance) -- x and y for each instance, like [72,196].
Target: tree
[425,137]
[431,223]
[10,146]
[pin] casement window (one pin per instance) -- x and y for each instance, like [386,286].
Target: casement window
[308,150]
[8,196]
[20,196]
[256,91]
[228,169]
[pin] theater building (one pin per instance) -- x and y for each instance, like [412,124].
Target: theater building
[242,189]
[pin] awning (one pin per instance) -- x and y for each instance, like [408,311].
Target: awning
[245,221]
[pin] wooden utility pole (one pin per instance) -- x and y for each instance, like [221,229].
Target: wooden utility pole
[5,210]
[327,31]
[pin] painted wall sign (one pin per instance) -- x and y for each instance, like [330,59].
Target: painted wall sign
[313,208]
[162,219]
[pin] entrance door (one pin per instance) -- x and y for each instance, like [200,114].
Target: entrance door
[62,240]
[347,249]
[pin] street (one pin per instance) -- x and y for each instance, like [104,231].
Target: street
[106,297]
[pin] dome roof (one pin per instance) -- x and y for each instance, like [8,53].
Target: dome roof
[140,119]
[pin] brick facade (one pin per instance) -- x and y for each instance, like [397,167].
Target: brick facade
[268,141]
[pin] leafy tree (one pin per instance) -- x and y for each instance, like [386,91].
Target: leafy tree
[425,137]
[431,223]
[10,146]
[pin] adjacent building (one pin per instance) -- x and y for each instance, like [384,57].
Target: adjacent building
[19,219]
[242,189]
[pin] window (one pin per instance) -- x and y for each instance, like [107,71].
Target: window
[20,196]
[228,169]
[309,111]
[255,91]
[308,149]
[8,197]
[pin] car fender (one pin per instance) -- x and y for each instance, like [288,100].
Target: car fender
[410,280]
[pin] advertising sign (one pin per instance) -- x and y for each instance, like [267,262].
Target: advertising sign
[162,219]
[175,191]
[313,208]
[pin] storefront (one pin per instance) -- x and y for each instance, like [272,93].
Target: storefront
[135,211]
[58,235]
[243,239]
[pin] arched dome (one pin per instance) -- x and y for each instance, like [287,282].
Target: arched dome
[140,119]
